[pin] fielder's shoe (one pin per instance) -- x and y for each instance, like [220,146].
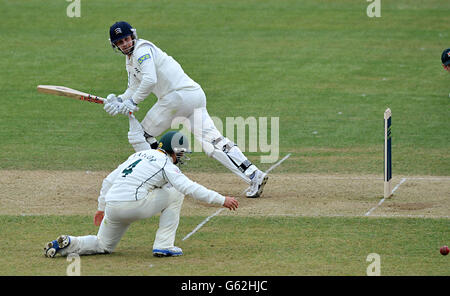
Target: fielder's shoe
[173,251]
[257,184]
[52,248]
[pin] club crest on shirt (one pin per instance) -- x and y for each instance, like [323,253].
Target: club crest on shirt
[143,58]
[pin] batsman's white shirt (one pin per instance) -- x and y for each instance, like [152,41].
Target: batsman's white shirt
[151,70]
[146,170]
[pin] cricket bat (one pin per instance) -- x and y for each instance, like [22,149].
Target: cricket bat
[71,93]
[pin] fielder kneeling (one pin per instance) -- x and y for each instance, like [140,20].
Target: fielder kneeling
[146,184]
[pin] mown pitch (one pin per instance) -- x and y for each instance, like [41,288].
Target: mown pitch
[303,225]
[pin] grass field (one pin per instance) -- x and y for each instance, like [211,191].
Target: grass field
[324,68]
[244,246]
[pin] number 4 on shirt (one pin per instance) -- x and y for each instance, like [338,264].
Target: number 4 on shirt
[130,168]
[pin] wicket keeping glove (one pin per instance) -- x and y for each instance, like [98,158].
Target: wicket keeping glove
[128,106]
[112,104]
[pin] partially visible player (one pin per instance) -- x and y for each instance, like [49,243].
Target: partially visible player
[445,58]
[151,70]
[146,184]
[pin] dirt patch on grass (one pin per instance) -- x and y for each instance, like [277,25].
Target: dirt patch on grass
[76,193]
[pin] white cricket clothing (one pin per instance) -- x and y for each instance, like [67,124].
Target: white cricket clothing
[151,70]
[119,216]
[136,135]
[146,184]
[146,170]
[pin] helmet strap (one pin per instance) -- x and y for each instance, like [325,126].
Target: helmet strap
[117,49]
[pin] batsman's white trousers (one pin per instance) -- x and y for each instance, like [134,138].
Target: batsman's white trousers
[120,215]
[188,106]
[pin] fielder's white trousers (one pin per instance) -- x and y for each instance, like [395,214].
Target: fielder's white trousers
[120,215]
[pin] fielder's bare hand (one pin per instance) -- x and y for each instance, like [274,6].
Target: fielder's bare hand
[230,203]
[98,217]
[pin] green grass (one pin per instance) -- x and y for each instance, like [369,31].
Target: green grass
[239,246]
[323,67]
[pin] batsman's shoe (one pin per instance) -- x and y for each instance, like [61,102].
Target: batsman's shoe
[52,248]
[173,251]
[257,184]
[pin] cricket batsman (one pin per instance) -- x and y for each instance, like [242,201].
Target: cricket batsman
[151,70]
[146,184]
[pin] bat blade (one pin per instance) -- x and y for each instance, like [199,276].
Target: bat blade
[69,92]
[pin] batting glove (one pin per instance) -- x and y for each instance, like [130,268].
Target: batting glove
[112,104]
[127,107]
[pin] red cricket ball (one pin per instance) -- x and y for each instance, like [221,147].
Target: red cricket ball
[444,250]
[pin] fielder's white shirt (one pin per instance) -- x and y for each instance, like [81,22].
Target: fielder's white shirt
[146,170]
[151,70]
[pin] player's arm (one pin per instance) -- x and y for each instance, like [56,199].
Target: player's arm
[188,187]
[131,89]
[146,65]
[146,62]
[113,102]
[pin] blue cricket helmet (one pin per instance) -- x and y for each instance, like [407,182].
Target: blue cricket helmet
[445,57]
[120,30]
